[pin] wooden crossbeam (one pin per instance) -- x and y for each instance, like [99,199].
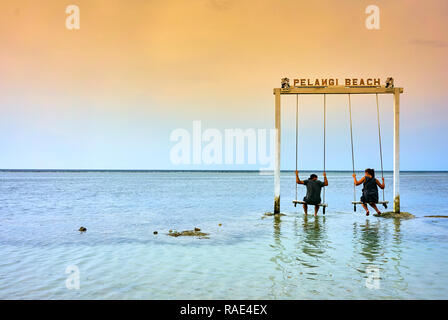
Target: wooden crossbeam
[379,202]
[303,202]
[338,90]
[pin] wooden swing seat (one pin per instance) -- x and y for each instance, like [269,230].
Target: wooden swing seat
[303,202]
[379,202]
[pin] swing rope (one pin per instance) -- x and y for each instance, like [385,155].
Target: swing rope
[379,138]
[325,134]
[297,135]
[380,146]
[353,153]
[297,144]
[325,131]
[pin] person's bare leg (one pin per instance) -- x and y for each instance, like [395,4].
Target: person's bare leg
[305,208]
[316,209]
[366,208]
[373,205]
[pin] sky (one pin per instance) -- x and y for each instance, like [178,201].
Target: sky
[110,95]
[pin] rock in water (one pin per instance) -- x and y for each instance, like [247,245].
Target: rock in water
[189,233]
[401,215]
[275,215]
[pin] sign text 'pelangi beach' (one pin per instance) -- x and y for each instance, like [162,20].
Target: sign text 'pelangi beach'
[348,82]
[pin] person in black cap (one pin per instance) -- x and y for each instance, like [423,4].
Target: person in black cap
[313,189]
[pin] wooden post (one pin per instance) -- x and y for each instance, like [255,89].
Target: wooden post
[277,152]
[396,150]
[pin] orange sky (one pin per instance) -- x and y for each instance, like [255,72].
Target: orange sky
[215,60]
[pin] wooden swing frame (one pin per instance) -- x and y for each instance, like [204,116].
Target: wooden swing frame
[395,91]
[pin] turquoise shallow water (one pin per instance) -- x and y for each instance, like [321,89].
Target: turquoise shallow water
[296,257]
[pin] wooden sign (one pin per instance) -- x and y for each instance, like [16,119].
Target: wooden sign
[330,82]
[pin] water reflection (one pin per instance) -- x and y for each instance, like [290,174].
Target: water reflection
[367,239]
[397,251]
[311,254]
[374,248]
[279,287]
[299,254]
[314,241]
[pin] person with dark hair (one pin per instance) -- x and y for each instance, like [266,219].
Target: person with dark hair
[313,189]
[369,190]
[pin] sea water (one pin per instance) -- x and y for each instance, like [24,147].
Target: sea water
[342,255]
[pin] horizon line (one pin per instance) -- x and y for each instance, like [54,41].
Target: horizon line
[193,170]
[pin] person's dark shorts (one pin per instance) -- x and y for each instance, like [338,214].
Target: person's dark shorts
[311,203]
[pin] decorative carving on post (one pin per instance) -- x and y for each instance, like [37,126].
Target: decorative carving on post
[285,84]
[390,82]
